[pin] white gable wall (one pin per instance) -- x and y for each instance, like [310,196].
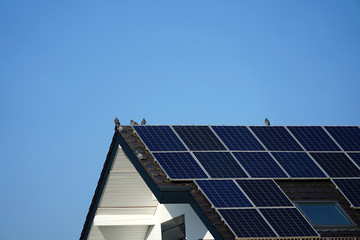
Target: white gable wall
[194,228]
[128,209]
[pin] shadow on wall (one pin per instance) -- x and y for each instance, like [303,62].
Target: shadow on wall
[123,232]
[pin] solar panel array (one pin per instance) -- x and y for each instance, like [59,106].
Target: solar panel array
[258,151]
[234,166]
[255,208]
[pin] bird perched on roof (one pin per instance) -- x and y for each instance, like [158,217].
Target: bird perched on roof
[117,124]
[267,122]
[143,122]
[133,123]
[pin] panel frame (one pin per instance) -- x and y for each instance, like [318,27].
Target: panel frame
[342,192]
[196,153]
[248,129]
[255,209]
[147,147]
[301,214]
[355,161]
[326,176]
[272,158]
[197,150]
[179,179]
[343,148]
[289,128]
[333,153]
[275,184]
[279,127]
[230,180]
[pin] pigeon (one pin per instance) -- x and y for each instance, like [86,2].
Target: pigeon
[143,122]
[117,124]
[267,122]
[133,123]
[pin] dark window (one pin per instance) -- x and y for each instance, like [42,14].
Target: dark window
[325,214]
[173,229]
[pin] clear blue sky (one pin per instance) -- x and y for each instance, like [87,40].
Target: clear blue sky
[68,68]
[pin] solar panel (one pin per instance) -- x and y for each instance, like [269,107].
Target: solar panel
[246,223]
[355,157]
[351,190]
[336,164]
[276,138]
[260,165]
[159,138]
[314,138]
[220,165]
[223,193]
[179,165]
[288,222]
[264,193]
[199,138]
[238,138]
[298,165]
[347,137]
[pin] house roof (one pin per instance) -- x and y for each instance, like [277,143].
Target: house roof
[151,150]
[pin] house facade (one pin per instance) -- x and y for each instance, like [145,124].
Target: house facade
[228,182]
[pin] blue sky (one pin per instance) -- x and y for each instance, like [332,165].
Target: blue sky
[68,68]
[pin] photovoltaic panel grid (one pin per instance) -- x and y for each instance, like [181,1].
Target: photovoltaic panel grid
[288,222]
[355,157]
[276,138]
[351,189]
[347,137]
[223,193]
[246,223]
[260,165]
[199,138]
[314,138]
[179,165]
[298,165]
[264,193]
[238,138]
[198,153]
[159,138]
[336,165]
[220,165]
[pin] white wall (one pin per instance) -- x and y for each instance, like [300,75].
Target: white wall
[194,228]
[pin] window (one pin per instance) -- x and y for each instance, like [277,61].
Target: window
[325,214]
[173,229]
